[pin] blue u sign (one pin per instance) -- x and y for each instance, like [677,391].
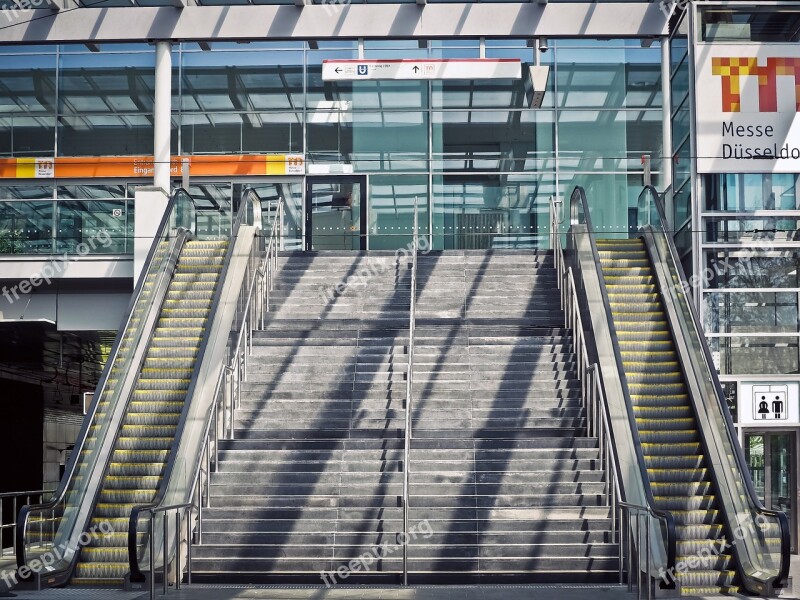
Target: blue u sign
[363,69]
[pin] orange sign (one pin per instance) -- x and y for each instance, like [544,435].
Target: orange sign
[142,166]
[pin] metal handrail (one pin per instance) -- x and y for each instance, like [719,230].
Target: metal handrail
[652,195]
[252,306]
[15,496]
[154,510]
[409,389]
[69,474]
[596,405]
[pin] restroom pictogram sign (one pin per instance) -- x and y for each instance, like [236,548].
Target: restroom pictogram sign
[770,403]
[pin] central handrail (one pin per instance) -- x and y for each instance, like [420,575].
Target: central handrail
[410,389]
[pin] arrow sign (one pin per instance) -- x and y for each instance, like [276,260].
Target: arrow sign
[465,69]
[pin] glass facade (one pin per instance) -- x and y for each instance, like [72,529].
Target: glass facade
[750,248]
[479,162]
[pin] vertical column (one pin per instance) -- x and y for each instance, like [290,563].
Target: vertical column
[666,123]
[151,201]
[162,117]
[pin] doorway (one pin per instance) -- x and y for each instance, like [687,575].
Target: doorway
[336,213]
[772,459]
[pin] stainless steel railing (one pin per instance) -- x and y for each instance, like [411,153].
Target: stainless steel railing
[410,389]
[14,499]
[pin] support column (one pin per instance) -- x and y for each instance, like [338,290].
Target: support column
[151,201]
[666,148]
[162,116]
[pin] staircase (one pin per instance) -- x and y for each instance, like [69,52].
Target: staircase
[314,476]
[504,485]
[148,428]
[679,476]
[500,467]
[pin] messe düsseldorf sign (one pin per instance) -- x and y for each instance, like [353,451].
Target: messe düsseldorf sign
[748,108]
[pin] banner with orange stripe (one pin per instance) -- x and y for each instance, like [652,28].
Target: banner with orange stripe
[142,166]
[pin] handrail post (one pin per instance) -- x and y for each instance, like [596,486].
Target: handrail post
[647,554]
[165,570]
[177,548]
[152,555]
[409,389]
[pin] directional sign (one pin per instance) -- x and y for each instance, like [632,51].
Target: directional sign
[478,68]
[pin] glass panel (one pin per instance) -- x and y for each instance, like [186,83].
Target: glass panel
[106,103]
[369,141]
[601,140]
[26,227]
[94,227]
[612,199]
[682,204]
[493,140]
[756,355]
[751,312]
[781,473]
[681,123]
[27,104]
[292,195]
[335,214]
[241,133]
[746,269]
[773,24]
[754,454]
[609,77]
[491,211]
[748,192]
[391,210]
[760,231]
[213,209]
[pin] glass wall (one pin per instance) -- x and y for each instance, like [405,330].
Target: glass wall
[481,164]
[751,254]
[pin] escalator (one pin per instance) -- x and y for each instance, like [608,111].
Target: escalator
[148,430]
[671,444]
[133,441]
[707,532]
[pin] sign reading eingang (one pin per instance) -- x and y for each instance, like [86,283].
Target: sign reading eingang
[748,108]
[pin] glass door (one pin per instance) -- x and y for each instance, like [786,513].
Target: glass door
[335,213]
[772,459]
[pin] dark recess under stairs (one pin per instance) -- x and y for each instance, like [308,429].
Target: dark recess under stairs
[501,470]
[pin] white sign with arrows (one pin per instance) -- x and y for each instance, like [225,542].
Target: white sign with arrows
[477,68]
